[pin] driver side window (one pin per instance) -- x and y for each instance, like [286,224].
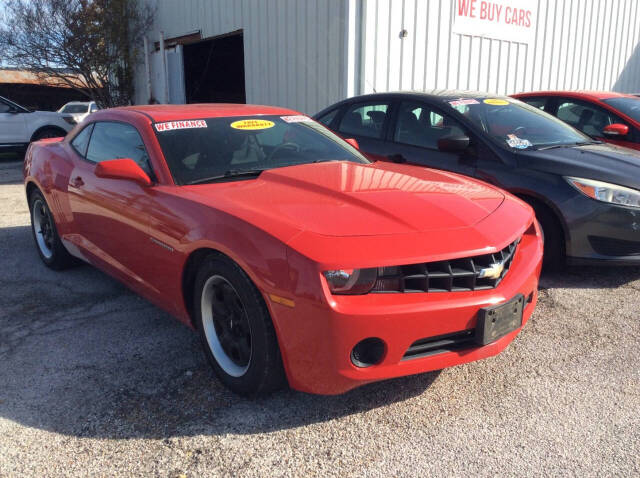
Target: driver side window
[111,140]
[588,118]
[419,125]
[4,107]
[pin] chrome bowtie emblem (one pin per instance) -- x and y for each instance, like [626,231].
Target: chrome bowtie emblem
[494,271]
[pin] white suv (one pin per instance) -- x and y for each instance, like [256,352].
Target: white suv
[19,126]
[79,109]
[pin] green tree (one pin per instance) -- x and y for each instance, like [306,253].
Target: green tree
[89,45]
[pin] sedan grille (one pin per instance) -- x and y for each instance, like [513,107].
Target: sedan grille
[457,275]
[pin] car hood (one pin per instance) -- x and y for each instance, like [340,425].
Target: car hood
[604,162]
[350,199]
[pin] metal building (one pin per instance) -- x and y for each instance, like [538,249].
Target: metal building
[307,54]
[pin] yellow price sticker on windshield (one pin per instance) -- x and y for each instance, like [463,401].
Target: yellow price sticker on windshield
[249,124]
[496,102]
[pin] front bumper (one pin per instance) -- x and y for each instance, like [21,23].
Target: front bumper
[601,233]
[317,339]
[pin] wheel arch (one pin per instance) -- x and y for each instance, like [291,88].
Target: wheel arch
[47,126]
[541,202]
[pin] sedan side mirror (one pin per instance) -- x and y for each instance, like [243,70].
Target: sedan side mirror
[616,129]
[123,169]
[453,144]
[353,143]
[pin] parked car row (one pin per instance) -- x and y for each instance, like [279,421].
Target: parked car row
[19,126]
[407,242]
[586,193]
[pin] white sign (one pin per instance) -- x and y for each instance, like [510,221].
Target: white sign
[512,20]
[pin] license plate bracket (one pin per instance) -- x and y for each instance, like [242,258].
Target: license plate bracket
[497,321]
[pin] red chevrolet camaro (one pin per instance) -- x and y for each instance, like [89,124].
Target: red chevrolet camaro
[295,257]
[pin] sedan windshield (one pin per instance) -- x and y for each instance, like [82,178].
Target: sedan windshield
[628,106]
[516,125]
[221,149]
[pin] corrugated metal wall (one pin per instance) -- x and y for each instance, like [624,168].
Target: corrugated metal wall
[295,53]
[580,44]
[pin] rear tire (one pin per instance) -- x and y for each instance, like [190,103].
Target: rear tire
[45,234]
[235,328]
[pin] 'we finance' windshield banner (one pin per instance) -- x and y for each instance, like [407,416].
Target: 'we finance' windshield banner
[512,20]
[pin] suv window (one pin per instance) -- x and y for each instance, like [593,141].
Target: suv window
[111,140]
[4,107]
[419,125]
[537,102]
[588,118]
[364,120]
[81,141]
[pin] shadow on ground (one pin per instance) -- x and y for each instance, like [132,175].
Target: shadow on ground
[83,356]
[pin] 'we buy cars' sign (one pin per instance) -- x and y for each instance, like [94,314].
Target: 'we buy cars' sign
[512,20]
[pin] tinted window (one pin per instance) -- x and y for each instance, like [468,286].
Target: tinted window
[515,124]
[419,125]
[117,141]
[327,118]
[199,150]
[94,107]
[588,118]
[78,108]
[4,107]
[81,141]
[629,106]
[364,120]
[536,102]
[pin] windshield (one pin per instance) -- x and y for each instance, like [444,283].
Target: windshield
[517,125]
[628,106]
[206,150]
[75,109]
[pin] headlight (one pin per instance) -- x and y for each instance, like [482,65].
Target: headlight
[351,281]
[606,192]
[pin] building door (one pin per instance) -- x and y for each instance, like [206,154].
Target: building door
[214,70]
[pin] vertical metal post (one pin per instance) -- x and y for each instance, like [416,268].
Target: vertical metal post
[165,76]
[147,67]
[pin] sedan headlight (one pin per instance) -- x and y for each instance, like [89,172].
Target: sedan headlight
[606,192]
[351,281]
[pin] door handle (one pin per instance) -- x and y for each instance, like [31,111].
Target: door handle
[77,182]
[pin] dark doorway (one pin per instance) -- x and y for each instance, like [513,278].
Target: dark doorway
[214,70]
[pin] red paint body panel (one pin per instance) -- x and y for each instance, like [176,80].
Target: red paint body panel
[284,229]
[596,98]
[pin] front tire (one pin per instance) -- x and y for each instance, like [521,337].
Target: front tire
[235,328]
[45,234]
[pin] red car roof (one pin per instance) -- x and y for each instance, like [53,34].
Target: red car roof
[599,95]
[206,110]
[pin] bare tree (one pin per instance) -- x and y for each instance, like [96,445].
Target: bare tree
[89,45]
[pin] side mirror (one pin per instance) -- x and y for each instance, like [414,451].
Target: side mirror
[453,144]
[616,129]
[353,143]
[123,169]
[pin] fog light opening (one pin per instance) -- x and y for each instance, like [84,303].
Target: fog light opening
[368,352]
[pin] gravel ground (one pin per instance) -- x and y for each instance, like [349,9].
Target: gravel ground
[95,381]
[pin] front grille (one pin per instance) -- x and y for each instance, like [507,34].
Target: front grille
[608,246]
[442,343]
[456,275]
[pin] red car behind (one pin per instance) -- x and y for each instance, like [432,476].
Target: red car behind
[294,256]
[606,116]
